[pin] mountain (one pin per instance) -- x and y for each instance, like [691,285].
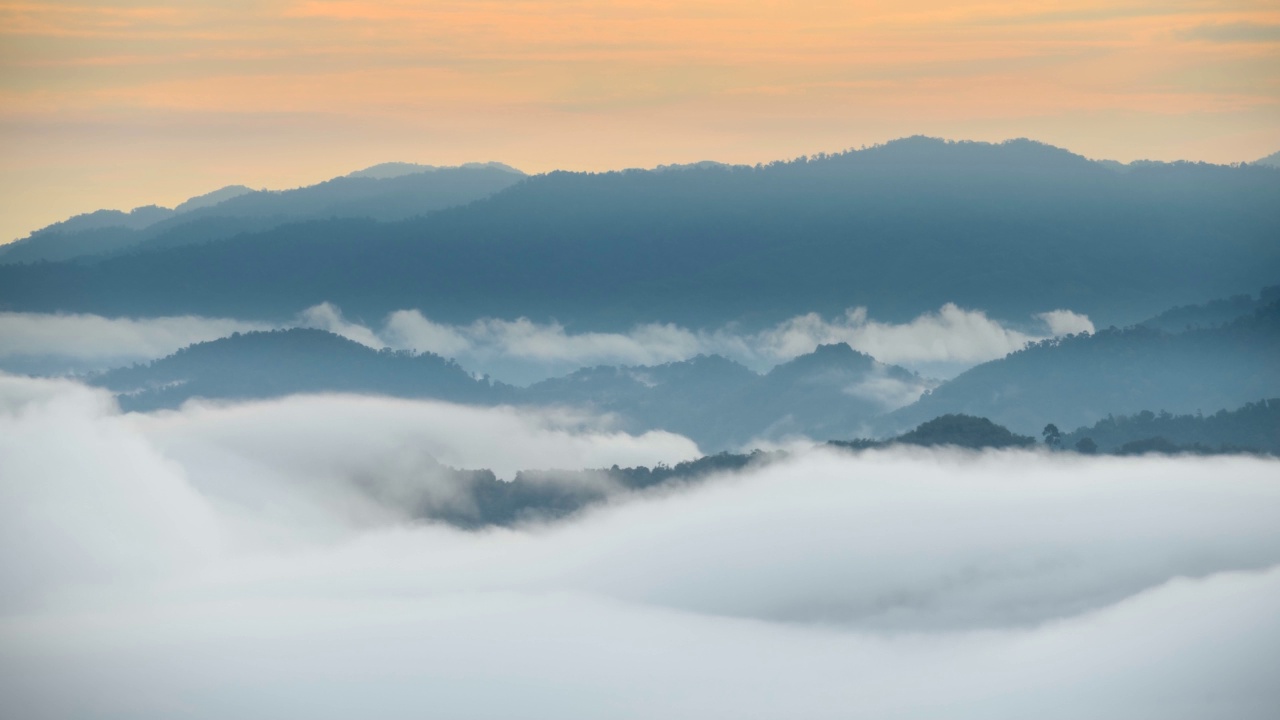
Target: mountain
[1255,426]
[1077,380]
[260,365]
[1213,313]
[966,431]
[236,210]
[96,232]
[1272,160]
[834,391]
[680,396]
[210,199]
[716,402]
[1014,228]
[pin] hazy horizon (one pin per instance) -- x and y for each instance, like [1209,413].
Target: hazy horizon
[172,200]
[118,104]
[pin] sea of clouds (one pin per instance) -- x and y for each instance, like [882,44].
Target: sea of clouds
[251,560]
[521,350]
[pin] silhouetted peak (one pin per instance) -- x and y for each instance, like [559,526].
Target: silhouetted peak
[1272,160]
[210,199]
[825,358]
[965,431]
[936,152]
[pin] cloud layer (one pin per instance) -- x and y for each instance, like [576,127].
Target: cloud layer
[163,566]
[99,341]
[522,350]
[950,335]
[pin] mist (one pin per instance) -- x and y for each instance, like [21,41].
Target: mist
[59,343]
[521,350]
[247,560]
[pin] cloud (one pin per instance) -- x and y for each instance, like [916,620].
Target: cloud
[323,462]
[1065,322]
[511,348]
[952,334]
[106,341]
[524,351]
[548,343]
[907,583]
[328,317]
[1238,32]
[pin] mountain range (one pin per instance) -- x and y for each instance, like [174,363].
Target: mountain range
[387,192]
[1015,228]
[833,392]
[1012,229]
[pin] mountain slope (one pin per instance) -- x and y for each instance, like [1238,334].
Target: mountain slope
[716,402]
[1272,160]
[1014,229]
[1213,313]
[1078,380]
[283,362]
[1254,426]
[381,195]
[832,392]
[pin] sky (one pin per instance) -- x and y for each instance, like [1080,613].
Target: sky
[120,104]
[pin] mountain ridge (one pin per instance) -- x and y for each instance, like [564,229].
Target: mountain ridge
[236,209]
[1024,229]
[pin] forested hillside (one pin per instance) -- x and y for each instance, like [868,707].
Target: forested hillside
[235,211]
[283,362]
[1080,379]
[1014,229]
[1255,426]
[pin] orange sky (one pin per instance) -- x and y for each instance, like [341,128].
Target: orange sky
[117,104]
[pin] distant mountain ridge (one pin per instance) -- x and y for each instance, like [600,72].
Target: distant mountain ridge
[714,401]
[381,193]
[832,392]
[1272,160]
[1014,228]
[1253,426]
[1077,380]
[720,404]
[268,364]
[1213,313]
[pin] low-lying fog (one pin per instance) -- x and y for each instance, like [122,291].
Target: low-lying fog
[520,351]
[250,561]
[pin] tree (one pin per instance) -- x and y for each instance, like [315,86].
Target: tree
[1086,446]
[1052,436]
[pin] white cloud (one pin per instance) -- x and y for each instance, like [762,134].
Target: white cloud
[890,392]
[409,330]
[1065,322]
[328,317]
[527,340]
[93,337]
[890,584]
[522,350]
[950,335]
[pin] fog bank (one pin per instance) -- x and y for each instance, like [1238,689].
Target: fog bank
[247,561]
[523,351]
